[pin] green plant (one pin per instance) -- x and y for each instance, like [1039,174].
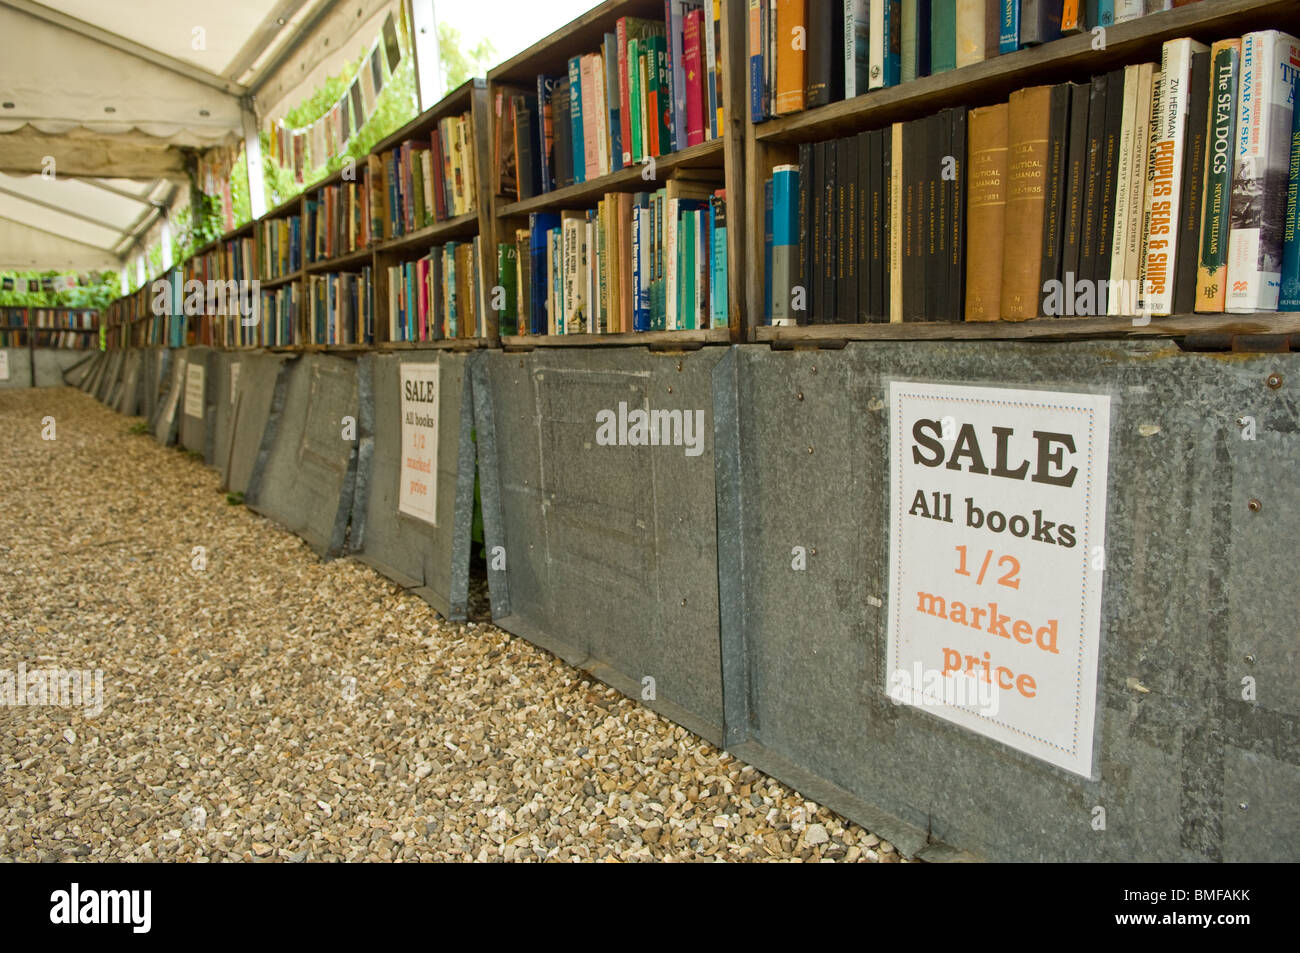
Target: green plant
[104,288]
[139,428]
[235,499]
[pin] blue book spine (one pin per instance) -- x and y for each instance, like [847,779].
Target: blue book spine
[767,249]
[893,65]
[1289,299]
[575,119]
[1009,34]
[539,224]
[640,264]
[545,84]
[1105,13]
[718,272]
[783,253]
[756,70]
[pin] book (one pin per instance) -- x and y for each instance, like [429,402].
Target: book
[943,36]
[825,59]
[693,77]
[1040,21]
[1264,113]
[971,35]
[791,57]
[914,53]
[1289,295]
[1028,130]
[1075,187]
[857,22]
[884,38]
[758,107]
[1193,177]
[719,311]
[1009,35]
[1057,172]
[675,13]
[1216,197]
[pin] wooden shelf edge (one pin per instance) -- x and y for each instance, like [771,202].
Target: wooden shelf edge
[459,226]
[282,280]
[360,256]
[621,339]
[1039,329]
[593,189]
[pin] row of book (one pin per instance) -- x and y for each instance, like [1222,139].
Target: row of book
[280,317]
[652,88]
[338,218]
[51,327]
[438,296]
[279,246]
[340,308]
[649,261]
[234,260]
[1151,190]
[416,185]
[808,53]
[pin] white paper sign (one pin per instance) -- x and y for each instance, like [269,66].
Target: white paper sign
[4,365]
[234,381]
[418,496]
[997,549]
[194,390]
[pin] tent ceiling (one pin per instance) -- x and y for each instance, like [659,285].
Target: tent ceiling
[110,91]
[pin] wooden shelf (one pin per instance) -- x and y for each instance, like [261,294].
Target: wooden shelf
[437,233]
[656,339]
[362,256]
[992,80]
[446,344]
[282,280]
[707,155]
[1039,329]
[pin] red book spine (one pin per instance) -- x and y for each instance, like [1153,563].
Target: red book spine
[694,73]
[439,195]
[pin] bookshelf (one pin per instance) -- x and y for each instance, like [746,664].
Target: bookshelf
[716,160]
[1071,58]
[58,327]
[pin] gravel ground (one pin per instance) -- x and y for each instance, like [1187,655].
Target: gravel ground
[267,706]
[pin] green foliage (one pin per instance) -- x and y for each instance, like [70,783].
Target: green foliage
[105,288]
[234,499]
[139,429]
[459,65]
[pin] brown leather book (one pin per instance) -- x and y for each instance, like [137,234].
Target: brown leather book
[1028,128]
[791,63]
[986,202]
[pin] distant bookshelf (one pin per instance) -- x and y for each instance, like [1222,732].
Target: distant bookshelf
[72,328]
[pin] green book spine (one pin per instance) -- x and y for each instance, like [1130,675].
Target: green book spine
[508,277]
[634,96]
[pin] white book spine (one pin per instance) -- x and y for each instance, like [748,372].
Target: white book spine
[970,32]
[1127,10]
[850,66]
[876,42]
[1259,181]
[1150,95]
[1123,188]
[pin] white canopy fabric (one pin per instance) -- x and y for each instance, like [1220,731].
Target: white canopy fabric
[97,93]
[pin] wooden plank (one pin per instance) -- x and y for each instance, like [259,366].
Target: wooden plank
[1069,58]
[1041,329]
[735,135]
[438,232]
[623,339]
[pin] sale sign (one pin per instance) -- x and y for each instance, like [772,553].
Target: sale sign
[418,493]
[997,554]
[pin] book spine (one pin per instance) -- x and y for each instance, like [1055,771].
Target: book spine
[1193,175]
[1009,34]
[676,58]
[986,211]
[1220,153]
[624,93]
[791,57]
[1109,181]
[1027,136]
[576,122]
[1259,189]
[769,283]
[970,18]
[1040,21]
[846,219]
[718,306]
[712,77]
[614,99]
[857,40]
[756,111]
[895,179]
[1076,183]
[824,63]
[943,36]
[826,293]
[1126,10]
[1289,296]
[1126,183]
[957,187]
[696,117]
[785,251]
[1057,172]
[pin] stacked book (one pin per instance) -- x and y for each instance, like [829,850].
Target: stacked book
[279,247]
[649,261]
[223,272]
[652,88]
[420,183]
[852,46]
[1155,189]
[340,308]
[278,322]
[338,218]
[438,296]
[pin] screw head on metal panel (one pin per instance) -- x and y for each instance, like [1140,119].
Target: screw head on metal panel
[810,450]
[1274,381]
[679,365]
[670,390]
[812,551]
[799,396]
[1255,506]
[814,370]
[1250,659]
[683,602]
[1245,806]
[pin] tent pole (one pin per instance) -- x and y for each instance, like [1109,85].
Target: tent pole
[253,156]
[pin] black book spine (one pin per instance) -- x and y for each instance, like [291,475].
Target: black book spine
[805,235]
[825,59]
[563,137]
[863,228]
[1054,182]
[1109,175]
[817,198]
[913,162]
[1075,171]
[1189,224]
[957,217]
[886,226]
[1040,21]
[1095,151]
[526,135]
[830,256]
[846,221]
[936,148]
